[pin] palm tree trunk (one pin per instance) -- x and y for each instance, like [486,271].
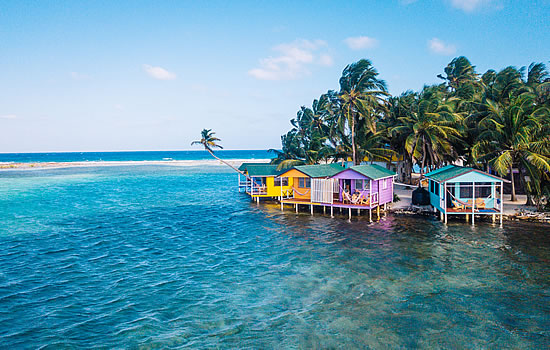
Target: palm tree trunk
[226,163]
[513,196]
[353,139]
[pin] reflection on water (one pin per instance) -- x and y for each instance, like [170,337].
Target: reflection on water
[171,257]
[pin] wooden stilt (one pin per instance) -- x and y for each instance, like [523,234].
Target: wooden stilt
[296,207]
[384,206]
[282,206]
[324,209]
[473,219]
[441,215]
[358,212]
[370,214]
[467,217]
[311,205]
[445,218]
[350,213]
[331,211]
[500,219]
[378,211]
[494,218]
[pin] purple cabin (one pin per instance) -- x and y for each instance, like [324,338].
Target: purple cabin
[366,186]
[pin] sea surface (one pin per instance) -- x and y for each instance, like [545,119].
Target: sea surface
[130,156]
[174,257]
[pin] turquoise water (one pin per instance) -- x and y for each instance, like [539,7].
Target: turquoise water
[172,257]
[131,156]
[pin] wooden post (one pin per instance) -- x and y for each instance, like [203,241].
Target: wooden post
[296,205]
[378,211]
[441,216]
[445,200]
[494,218]
[350,213]
[311,205]
[331,211]
[467,217]
[370,214]
[358,212]
[473,202]
[324,209]
[501,201]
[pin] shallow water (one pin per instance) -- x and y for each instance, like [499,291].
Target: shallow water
[173,257]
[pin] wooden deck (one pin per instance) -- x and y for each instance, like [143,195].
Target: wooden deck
[486,211]
[336,204]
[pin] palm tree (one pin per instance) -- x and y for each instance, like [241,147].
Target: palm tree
[209,141]
[512,135]
[430,129]
[361,95]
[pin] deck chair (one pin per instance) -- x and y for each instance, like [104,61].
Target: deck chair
[364,201]
[480,203]
[346,197]
[457,205]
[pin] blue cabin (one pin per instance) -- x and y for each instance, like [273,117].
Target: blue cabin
[457,190]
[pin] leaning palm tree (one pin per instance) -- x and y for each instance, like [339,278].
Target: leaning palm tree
[209,142]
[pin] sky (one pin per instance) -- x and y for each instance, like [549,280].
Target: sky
[150,75]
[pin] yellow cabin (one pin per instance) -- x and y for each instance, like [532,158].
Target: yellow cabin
[263,181]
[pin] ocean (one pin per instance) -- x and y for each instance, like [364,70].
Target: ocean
[130,156]
[160,256]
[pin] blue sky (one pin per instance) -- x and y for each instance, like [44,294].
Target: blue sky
[149,75]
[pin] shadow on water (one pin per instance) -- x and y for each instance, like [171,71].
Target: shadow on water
[172,257]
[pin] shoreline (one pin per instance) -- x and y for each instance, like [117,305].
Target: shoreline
[62,165]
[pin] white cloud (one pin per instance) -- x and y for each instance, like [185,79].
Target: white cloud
[8,116]
[158,73]
[292,61]
[439,47]
[326,60]
[361,42]
[469,5]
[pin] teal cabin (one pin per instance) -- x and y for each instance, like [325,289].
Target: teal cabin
[457,190]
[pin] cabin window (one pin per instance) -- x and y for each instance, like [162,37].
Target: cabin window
[284,181]
[483,189]
[432,186]
[465,190]
[304,182]
[436,189]
[384,184]
[359,184]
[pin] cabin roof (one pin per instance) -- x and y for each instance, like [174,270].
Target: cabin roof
[245,165]
[262,170]
[372,171]
[320,170]
[451,171]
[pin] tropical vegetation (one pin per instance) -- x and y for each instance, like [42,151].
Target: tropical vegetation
[498,121]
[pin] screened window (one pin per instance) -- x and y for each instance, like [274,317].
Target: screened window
[436,188]
[304,182]
[465,190]
[284,181]
[384,184]
[359,185]
[483,189]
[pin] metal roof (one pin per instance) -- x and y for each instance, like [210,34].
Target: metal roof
[373,171]
[245,165]
[320,170]
[451,171]
[262,170]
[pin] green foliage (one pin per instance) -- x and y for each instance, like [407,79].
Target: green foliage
[497,120]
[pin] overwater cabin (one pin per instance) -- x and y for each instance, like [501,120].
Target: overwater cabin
[366,186]
[331,185]
[457,190]
[262,181]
